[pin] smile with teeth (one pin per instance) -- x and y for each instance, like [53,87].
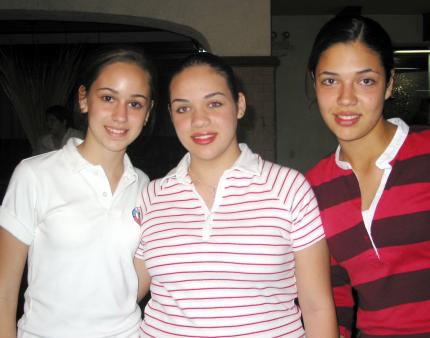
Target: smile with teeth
[347,120]
[115,131]
[203,138]
[347,117]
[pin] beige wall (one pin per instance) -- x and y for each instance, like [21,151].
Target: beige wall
[257,128]
[225,27]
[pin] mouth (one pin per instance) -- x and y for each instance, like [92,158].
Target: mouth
[346,119]
[203,138]
[116,132]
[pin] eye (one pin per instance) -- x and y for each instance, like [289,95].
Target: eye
[136,105]
[367,82]
[215,104]
[328,82]
[107,98]
[181,109]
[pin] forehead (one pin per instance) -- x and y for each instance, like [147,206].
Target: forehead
[122,75]
[119,67]
[351,55]
[199,77]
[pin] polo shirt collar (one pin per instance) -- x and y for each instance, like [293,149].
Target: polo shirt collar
[248,163]
[383,161]
[79,163]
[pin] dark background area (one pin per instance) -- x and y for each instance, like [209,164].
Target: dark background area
[155,151]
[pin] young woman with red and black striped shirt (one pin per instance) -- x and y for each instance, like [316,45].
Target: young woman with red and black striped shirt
[374,191]
[229,240]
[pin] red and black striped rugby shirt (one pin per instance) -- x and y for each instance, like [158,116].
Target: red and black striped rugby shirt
[393,284]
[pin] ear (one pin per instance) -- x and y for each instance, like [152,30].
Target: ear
[148,113]
[312,76]
[390,85]
[241,106]
[83,104]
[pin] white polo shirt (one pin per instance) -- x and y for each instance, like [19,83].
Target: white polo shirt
[228,271]
[82,240]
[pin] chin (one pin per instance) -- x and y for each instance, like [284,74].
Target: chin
[205,156]
[116,146]
[348,138]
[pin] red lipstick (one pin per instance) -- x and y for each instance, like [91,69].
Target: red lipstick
[203,138]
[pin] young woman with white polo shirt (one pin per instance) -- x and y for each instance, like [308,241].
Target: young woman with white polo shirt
[229,240]
[70,212]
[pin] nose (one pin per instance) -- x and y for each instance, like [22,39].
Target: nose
[120,113]
[347,95]
[200,118]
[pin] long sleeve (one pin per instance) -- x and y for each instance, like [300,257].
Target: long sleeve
[343,297]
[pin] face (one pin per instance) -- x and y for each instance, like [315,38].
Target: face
[55,126]
[205,114]
[118,105]
[351,89]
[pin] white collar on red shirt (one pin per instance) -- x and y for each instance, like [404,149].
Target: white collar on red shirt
[383,161]
[249,163]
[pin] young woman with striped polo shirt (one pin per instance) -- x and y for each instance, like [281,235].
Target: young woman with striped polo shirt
[229,240]
[374,190]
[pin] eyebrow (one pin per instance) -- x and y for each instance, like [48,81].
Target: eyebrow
[208,96]
[367,70]
[116,92]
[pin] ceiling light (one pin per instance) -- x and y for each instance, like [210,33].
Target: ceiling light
[412,51]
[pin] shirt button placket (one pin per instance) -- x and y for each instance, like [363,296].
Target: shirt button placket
[207,228]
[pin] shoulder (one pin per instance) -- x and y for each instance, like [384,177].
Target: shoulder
[158,192]
[150,189]
[288,184]
[272,168]
[141,176]
[32,173]
[158,185]
[323,170]
[419,135]
[42,162]
[417,143]
[283,174]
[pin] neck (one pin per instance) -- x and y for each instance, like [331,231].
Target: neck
[111,162]
[210,171]
[365,151]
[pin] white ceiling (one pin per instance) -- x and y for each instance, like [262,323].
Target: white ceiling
[368,7]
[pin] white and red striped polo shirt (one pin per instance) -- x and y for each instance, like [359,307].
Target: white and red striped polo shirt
[228,271]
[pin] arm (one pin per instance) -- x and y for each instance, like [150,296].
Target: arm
[13,254]
[344,300]
[144,279]
[314,290]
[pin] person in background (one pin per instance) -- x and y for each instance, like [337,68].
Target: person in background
[58,123]
[70,212]
[374,190]
[229,240]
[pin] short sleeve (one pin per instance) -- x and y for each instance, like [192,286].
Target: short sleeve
[18,209]
[141,208]
[307,226]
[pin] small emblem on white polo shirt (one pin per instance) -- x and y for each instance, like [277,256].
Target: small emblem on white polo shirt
[137,215]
